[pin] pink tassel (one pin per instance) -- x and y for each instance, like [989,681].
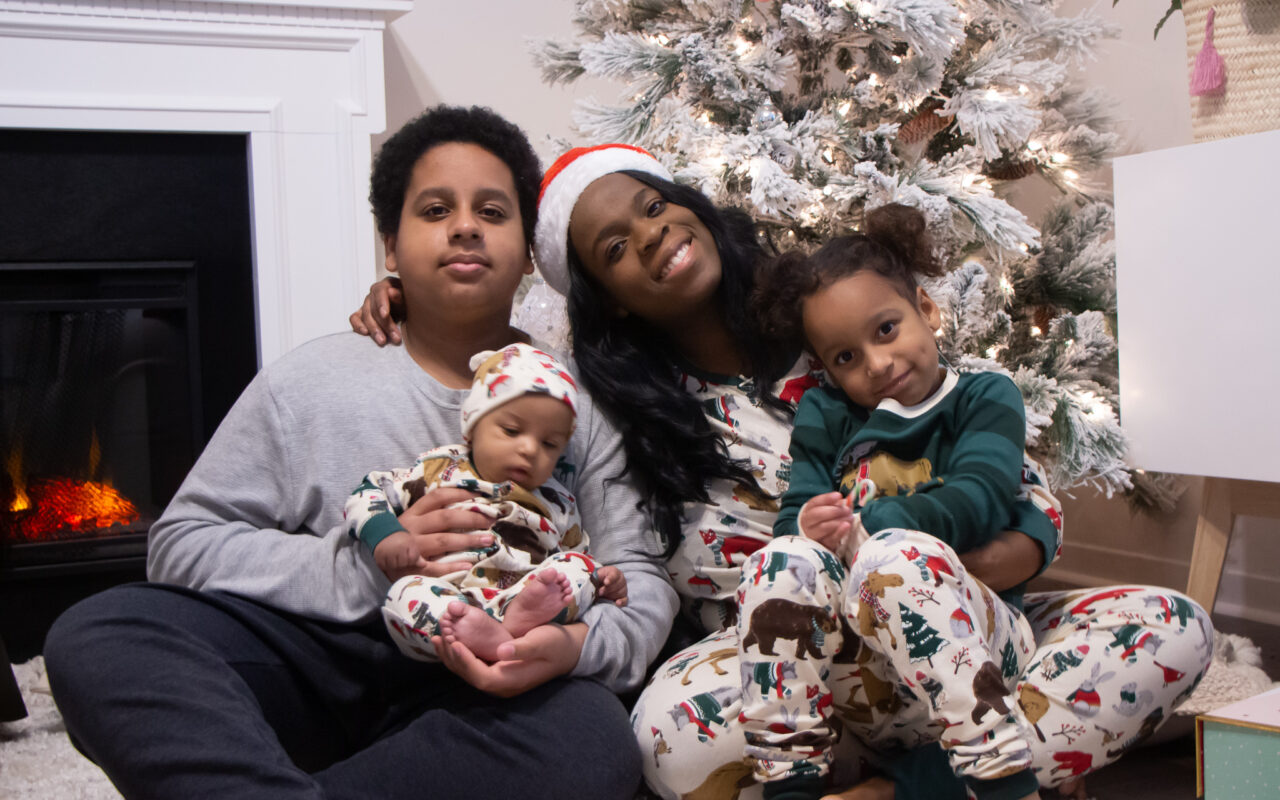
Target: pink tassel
[1210,72]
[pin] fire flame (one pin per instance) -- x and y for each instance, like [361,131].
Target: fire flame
[63,505]
[57,507]
[14,465]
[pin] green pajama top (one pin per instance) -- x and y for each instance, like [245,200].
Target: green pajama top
[950,466]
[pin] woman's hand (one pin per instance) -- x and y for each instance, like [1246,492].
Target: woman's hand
[438,530]
[376,317]
[544,653]
[1010,559]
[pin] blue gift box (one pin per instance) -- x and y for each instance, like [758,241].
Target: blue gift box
[1238,750]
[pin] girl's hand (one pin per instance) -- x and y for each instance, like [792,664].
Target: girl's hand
[827,520]
[376,317]
[544,653]
[439,530]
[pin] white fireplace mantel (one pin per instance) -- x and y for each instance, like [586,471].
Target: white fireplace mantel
[303,81]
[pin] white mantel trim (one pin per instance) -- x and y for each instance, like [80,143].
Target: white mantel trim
[308,138]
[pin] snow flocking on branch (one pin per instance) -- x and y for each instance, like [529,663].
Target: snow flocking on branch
[809,113]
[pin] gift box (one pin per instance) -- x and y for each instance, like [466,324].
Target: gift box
[1238,750]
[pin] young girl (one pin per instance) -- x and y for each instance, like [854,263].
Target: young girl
[654,307]
[924,461]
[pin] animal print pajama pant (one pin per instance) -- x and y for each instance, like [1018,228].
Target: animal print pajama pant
[415,603]
[906,649]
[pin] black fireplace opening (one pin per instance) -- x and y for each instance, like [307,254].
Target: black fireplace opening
[127,330]
[103,411]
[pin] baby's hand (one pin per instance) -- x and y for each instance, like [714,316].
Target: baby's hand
[397,555]
[827,520]
[612,585]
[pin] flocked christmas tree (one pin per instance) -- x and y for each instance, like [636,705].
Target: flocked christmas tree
[806,114]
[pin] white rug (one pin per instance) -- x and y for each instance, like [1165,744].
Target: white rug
[37,761]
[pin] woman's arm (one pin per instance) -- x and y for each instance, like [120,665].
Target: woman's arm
[1010,559]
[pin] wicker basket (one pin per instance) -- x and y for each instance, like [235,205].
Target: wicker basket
[1246,34]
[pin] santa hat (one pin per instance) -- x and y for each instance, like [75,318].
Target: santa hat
[514,371]
[564,182]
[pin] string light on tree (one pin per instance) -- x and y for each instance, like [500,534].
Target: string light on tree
[808,113]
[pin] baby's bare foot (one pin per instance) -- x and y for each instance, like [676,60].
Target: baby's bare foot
[481,633]
[539,601]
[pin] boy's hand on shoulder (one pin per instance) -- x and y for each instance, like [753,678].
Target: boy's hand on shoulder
[827,520]
[438,530]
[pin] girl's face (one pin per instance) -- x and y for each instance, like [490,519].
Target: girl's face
[874,342]
[655,259]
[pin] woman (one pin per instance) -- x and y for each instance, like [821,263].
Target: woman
[657,279]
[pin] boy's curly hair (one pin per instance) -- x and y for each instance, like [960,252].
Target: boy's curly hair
[393,165]
[895,244]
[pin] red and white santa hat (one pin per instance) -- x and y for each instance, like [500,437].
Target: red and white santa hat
[564,182]
[515,370]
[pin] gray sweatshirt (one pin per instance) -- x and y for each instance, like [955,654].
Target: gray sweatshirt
[260,513]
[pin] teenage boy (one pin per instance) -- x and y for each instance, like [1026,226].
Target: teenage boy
[255,664]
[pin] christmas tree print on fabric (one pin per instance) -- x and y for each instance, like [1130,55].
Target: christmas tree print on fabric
[923,641]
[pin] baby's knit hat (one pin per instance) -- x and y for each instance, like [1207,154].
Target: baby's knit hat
[515,370]
[564,182]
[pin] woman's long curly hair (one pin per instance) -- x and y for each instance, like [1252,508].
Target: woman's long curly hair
[630,368]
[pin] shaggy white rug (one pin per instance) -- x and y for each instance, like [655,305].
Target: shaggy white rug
[37,761]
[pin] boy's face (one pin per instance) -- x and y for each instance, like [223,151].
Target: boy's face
[875,343]
[521,440]
[460,250]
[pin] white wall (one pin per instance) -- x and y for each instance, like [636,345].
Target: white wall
[477,54]
[469,53]
[1104,542]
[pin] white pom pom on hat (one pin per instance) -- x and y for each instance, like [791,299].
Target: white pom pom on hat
[563,184]
[515,370]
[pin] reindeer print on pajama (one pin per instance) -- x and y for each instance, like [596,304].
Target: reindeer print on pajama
[905,662]
[865,698]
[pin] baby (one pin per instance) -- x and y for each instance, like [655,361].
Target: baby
[516,422]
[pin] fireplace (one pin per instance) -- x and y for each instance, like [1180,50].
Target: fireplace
[100,371]
[127,330]
[278,101]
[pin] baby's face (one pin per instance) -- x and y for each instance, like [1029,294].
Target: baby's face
[521,440]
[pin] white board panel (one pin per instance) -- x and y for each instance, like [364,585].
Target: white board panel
[1198,285]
